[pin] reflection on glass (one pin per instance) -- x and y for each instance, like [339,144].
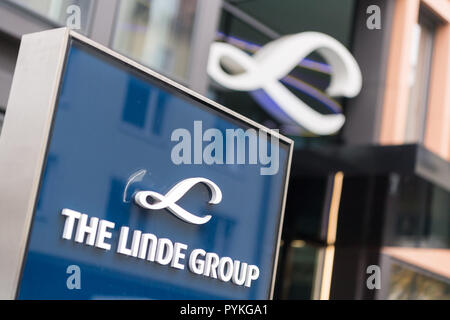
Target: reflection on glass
[56,10]
[156,33]
[406,284]
[135,113]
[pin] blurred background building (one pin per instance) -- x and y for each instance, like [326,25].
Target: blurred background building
[375,193]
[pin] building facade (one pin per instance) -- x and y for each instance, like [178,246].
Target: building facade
[367,204]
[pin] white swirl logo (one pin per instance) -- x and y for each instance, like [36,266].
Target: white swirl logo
[275,60]
[168,201]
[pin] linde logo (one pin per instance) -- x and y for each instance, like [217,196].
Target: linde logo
[176,193]
[266,68]
[93,231]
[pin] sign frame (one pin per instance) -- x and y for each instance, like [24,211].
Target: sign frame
[27,132]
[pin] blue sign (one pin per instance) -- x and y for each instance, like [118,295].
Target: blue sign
[127,209]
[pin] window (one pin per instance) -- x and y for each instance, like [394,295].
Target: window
[421,57]
[417,214]
[300,271]
[407,282]
[157,33]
